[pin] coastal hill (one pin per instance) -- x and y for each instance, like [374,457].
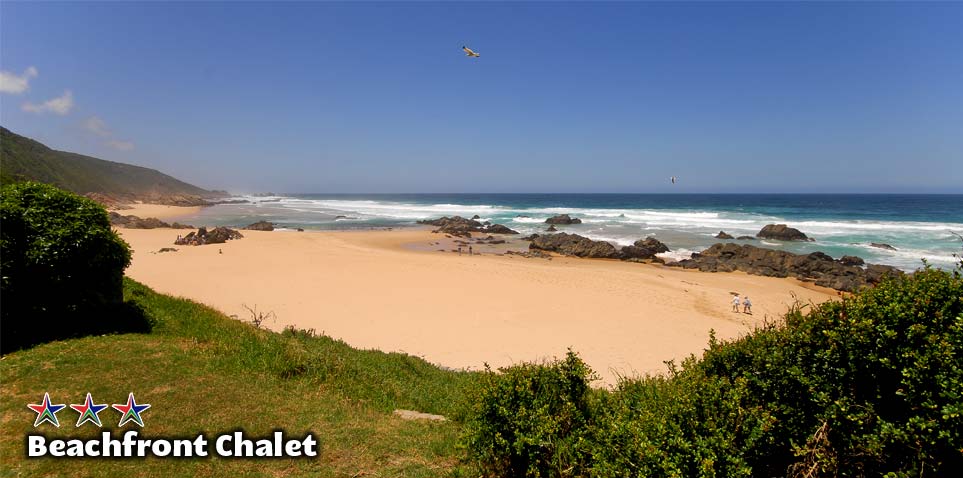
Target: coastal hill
[107,181]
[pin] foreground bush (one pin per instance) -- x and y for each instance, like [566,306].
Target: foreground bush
[529,420]
[62,266]
[869,386]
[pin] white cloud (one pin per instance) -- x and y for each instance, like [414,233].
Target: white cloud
[120,145]
[11,83]
[60,105]
[97,126]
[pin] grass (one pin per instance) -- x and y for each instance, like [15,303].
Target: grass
[203,372]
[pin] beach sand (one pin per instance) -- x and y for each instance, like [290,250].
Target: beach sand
[159,211]
[373,290]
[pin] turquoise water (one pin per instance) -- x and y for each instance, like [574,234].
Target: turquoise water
[918,226]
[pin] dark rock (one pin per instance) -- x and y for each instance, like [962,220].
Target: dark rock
[563,219]
[574,245]
[530,254]
[218,235]
[461,227]
[652,244]
[178,225]
[782,232]
[476,216]
[499,229]
[746,238]
[339,218]
[851,261]
[300,229]
[643,249]
[530,238]
[817,267]
[260,226]
[882,245]
[723,235]
[552,228]
[167,249]
[134,222]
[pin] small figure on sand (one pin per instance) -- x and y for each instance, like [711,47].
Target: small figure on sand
[459,250]
[469,250]
[746,305]
[735,303]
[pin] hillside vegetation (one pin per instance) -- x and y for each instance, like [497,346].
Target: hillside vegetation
[22,158]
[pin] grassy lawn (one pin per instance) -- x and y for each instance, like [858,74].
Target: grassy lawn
[203,372]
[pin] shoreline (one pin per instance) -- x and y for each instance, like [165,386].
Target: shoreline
[370,289]
[159,211]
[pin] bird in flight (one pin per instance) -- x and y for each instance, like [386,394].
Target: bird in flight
[469,52]
[673,178]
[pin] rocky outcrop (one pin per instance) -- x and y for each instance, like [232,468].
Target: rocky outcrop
[643,249]
[260,226]
[882,245]
[816,267]
[723,235]
[563,219]
[574,245]
[218,235]
[782,232]
[532,254]
[852,261]
[460,227]
[746,238]
[552,228]
[134,222]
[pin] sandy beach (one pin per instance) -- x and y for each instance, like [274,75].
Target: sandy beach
[373,290]
[159,211]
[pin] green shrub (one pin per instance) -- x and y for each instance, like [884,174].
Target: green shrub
[868,386]
[531,419]
[62,266]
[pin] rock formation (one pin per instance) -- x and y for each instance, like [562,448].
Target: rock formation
[134,222]
[816,267]
[723,235]
[460,227]
[782,232]
[643,249]
[563,219]
[218,235]
[881,245]
[574,245]
[260,226]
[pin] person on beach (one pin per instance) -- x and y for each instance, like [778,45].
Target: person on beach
[459,250]
[735,303]
[746,305]
[469,250]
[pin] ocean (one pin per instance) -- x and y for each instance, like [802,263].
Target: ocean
[917,226]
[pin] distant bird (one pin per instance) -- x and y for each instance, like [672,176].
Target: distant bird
[673,178]
[469,52]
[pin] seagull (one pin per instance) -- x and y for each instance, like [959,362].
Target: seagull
[469,52]
[673,178]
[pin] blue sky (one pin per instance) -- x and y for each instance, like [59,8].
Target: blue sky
[590,97]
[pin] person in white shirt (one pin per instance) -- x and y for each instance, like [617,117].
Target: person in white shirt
[735,303]
[746,305]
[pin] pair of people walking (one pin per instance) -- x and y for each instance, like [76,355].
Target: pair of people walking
[746,304]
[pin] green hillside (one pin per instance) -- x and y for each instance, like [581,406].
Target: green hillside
[23,158]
